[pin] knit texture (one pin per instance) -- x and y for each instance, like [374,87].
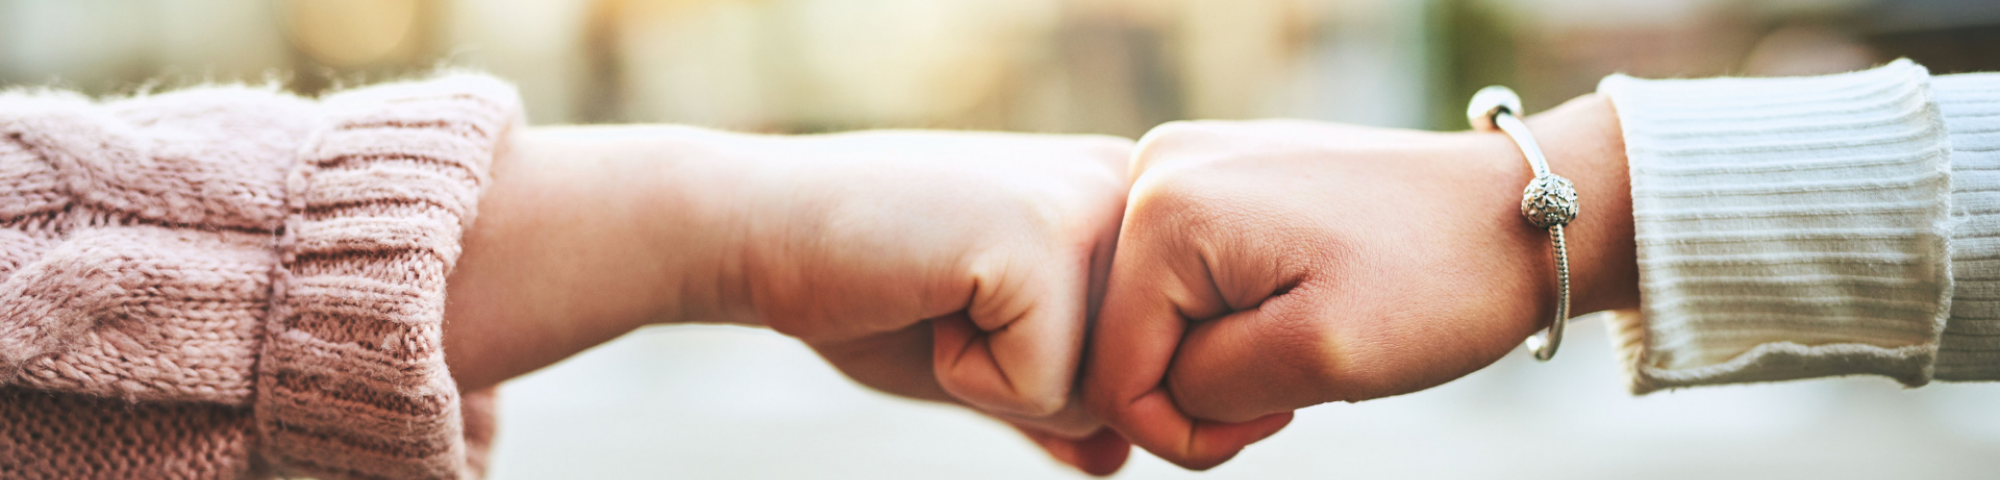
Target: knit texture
[1786,228]
[1970,346]
[231,282]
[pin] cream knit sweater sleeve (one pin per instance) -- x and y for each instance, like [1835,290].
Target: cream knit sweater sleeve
[1970,346]
[1802,227]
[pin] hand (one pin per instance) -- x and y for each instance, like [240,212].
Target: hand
[955,267]
[945,266]
[1273,265]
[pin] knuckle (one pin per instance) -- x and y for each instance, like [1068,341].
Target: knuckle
[1103,156]
[1314,353]
[1069,422]
[1171,142]
[1101,404]
[1318,353]
[1166,187]
[1196,400]
[1044,402]
[1109,146]
[1179,200]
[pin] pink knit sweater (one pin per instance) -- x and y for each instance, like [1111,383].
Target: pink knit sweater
[233,282]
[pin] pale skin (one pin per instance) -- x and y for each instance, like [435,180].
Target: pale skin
[954,267]
[1259,267]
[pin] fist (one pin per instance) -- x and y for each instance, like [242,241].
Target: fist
[957,267]
[1272,265]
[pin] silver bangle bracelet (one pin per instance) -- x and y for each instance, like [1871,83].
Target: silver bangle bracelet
[1549,201]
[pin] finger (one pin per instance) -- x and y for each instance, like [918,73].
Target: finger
[1138,331]
[1136,334]
[1029,313]
[1015,350]
[1073,421]
[1034,292]
[1100,453]
[1269,359]
[1153,422]
[899,363]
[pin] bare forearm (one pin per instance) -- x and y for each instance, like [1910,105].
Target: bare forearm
[587,233]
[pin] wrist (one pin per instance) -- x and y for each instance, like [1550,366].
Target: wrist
[585,234]
[1583,142]
[685,199]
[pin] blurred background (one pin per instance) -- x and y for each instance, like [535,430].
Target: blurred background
[1100,66]
[718,402]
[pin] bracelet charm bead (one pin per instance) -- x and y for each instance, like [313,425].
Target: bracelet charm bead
[1549,201]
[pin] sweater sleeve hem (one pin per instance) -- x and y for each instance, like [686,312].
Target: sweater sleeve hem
[1786,228]
[1907,365]
[1969,349]
[352,381]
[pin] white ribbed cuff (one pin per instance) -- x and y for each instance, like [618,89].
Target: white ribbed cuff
[1786,227]
[1970,346]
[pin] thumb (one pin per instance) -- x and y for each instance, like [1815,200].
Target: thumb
[1277,357]
[1145,318]
[1015,350]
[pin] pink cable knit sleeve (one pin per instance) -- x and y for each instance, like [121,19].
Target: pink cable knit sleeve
[232,282]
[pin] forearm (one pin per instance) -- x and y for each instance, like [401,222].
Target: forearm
[587,233]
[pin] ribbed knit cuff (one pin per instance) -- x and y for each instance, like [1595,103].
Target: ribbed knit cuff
[352,382]
[1787,228]
[1970,346]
